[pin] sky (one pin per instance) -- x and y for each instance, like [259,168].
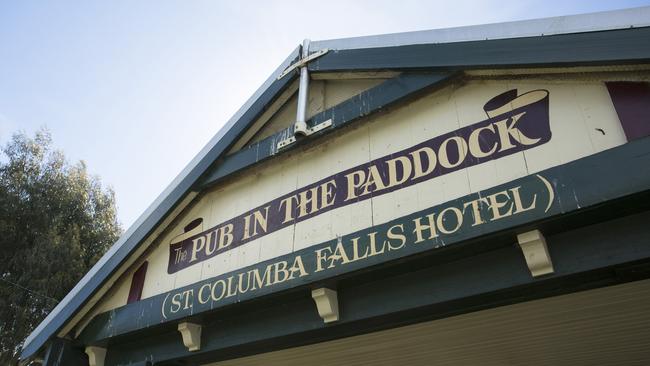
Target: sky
[136,88]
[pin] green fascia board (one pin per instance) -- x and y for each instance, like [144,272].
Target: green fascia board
[569,188]
[575,49]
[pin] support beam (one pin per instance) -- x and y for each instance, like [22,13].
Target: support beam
[300,127]
[62,352]
[533,244]
[191,335]
[327,304]
[96,355]
[362,105]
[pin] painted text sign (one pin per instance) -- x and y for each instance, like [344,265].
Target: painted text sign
[515,123]
[525,199]
[506,208]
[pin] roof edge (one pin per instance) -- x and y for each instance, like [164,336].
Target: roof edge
[587,22]
[101,272]
[147,221]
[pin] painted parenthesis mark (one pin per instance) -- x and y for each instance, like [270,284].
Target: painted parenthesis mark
[551,192]
[162,310]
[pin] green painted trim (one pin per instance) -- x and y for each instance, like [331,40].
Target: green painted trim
[362,105]
[603,254]
[591,48]
[64,352]
[568,188]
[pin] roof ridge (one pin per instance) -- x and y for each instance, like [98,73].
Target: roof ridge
[586,22]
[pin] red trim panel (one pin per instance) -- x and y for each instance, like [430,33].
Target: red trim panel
[632,103]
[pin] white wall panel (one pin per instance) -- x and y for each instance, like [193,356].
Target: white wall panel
[579,110]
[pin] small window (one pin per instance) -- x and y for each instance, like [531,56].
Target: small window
[632,103]
[137,283]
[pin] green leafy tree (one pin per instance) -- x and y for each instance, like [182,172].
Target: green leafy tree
[55,222]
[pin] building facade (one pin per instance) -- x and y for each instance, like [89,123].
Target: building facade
[477,195]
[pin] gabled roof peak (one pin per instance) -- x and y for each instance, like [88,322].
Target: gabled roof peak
[186,182]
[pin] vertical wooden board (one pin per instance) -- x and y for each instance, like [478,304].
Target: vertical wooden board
[570,139]
[336,155]
[509,168]
[234,199]
[351,218]
[270,181]
[248,254]
[188,275]
[455,184]
[231,201]
[469,102]
[282,119]
[157,279]
[286,114]
[277,179]
[333,156]
[120,293]
[313,231]
[220,264]
[398,203]
[117,296]
[214,266]
[277,243]
[316,98]
[512,166]
[228,202]
[603,125]
[394,131]
[436,116]
[337,91]
[254,189]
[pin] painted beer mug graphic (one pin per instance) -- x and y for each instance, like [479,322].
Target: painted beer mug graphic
[516,122]
[527,114]
[509,101]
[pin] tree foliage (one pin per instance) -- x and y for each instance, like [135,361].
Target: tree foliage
[55,222]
